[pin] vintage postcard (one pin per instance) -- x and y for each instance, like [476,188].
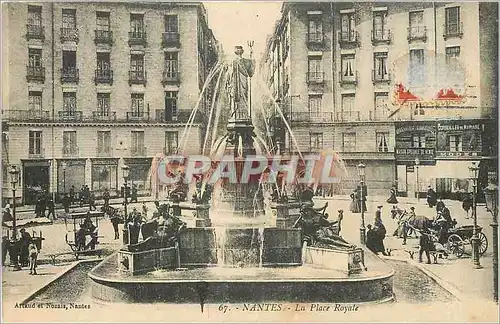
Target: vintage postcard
[249,161]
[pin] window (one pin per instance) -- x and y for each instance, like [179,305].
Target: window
[171,142]
[380,66]
[379,25]
[455,143]
[349,142]
[418,141]
[382,138]
[69,60]
[315,68]
[452,21]
[103,62]
[69,102]
[104,142]
[316,141]
[171,24]
[69,142]
[34,57]
[348,102]
[348,26]
[381,105]
[69,18]
[170,105]
[348,71]
[452,54]
[417,28]
[315,108]
[137,66]
[416,67]
[137,104]
[35,16]
[171,65]
[102,21]
[103,104]
[315,29]
[137,141]
[137,25]
[35,142]
[35,101]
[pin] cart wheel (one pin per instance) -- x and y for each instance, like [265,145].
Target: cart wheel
[483,243]
[456,245]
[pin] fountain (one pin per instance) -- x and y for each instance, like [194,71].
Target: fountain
[235,249]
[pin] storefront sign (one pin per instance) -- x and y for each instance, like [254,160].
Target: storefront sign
[414,139]
[414,151]
[459,139]
[458,154]
[104,161]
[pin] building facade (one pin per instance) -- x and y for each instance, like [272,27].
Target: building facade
[390,85]
[93,86]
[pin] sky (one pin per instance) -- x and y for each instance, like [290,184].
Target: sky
[235,23]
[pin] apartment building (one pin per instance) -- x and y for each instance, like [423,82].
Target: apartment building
[392,85]
[93,86]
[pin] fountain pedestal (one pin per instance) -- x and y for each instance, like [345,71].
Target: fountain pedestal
[134,263]
[286,213]
[200,212]
[349,262]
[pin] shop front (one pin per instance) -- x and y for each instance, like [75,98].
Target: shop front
[415,157]
[139,174]
[36,179]
[105,176]
[70,173]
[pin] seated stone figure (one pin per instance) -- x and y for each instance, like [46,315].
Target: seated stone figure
[180,190]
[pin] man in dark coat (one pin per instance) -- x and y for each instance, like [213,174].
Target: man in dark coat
[371,239]
[72,195]
[467,204]
[106,197]
[66,202]
[425,245]
[52,208]
[431,197]
[133,195]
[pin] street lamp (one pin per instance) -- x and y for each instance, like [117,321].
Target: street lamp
[473,175]
[362,229]
[125,170]
[14,177]
[417,163]
[64,165]
[491,195]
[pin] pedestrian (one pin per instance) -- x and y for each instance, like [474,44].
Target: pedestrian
[82,195]
[66,202]
[5,248]
[425,245]
[43,204]
[371,239]
[51,207]
[133,196]
[25,242]
[380,231]
[92,205]
[467,204]
[115,220]
[106,197]
[72,195]
[144,210]
[431,197]
[354,207]
[33,255]
[392,199]
[7,214]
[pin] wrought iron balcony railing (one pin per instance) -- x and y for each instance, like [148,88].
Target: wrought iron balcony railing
[35,73]
[348,38]
[103,76]
[69,35]
[70,151]
[348,79]
[307,116]
[138,151]
[137,116]
[170,78]
[417,33]
[453,30]
[315,77]
[381,36]
[71,115]
[137,38]
[137,77]
[26,115]
[35,32]
[171,39]
[36,154]
[70,74]
[104,115]
[380,77]
[103,37]
[103,151]
[347,116]
[315,38]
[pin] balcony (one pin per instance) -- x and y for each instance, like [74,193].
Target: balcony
[171,39]
[348,79]
[69,35]
[380,78]
[71,151]
[103,37]
[380,115]
[26,115]
[347,116]
[70,75]
[453,31]
[417,33]
[315,77]
[348,38]
[36,154]
[103,115]
[137,38]
[70,115]
[181,116]
[103,76]
[138,116]
[138,151]
[137,77]
[35,32]
[312,117]
[381,37]
[104,151]
[35,73]
[352,154]
[315,38]
[170,78]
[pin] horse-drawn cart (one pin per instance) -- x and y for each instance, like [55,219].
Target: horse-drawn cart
[461,236]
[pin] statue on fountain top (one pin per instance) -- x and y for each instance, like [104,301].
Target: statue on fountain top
[180,190]
[241,69]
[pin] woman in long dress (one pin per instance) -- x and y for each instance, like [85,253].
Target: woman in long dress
[354,207]
[392,199]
